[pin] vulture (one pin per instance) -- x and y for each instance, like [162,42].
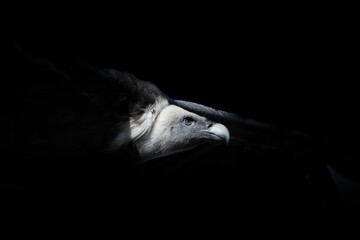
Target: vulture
[68,115]
[82,109]
[105,110]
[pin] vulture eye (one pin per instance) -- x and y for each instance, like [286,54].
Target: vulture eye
[188,121]
[153,111]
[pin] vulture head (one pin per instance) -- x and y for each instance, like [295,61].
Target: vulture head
[156,126]
[173,130]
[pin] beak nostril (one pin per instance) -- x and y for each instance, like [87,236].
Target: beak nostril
[209,124]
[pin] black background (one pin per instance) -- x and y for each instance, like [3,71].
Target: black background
[294,70]
[291,70]
[301,77]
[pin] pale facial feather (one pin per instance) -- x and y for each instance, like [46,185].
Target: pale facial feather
[158,131]
[132,128]
[161,141]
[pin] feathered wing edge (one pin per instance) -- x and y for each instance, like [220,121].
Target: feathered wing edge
[248,131]
[221,116]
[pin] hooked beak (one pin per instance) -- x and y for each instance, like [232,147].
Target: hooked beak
[218,132]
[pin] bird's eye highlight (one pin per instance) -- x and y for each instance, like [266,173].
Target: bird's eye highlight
[188,121]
